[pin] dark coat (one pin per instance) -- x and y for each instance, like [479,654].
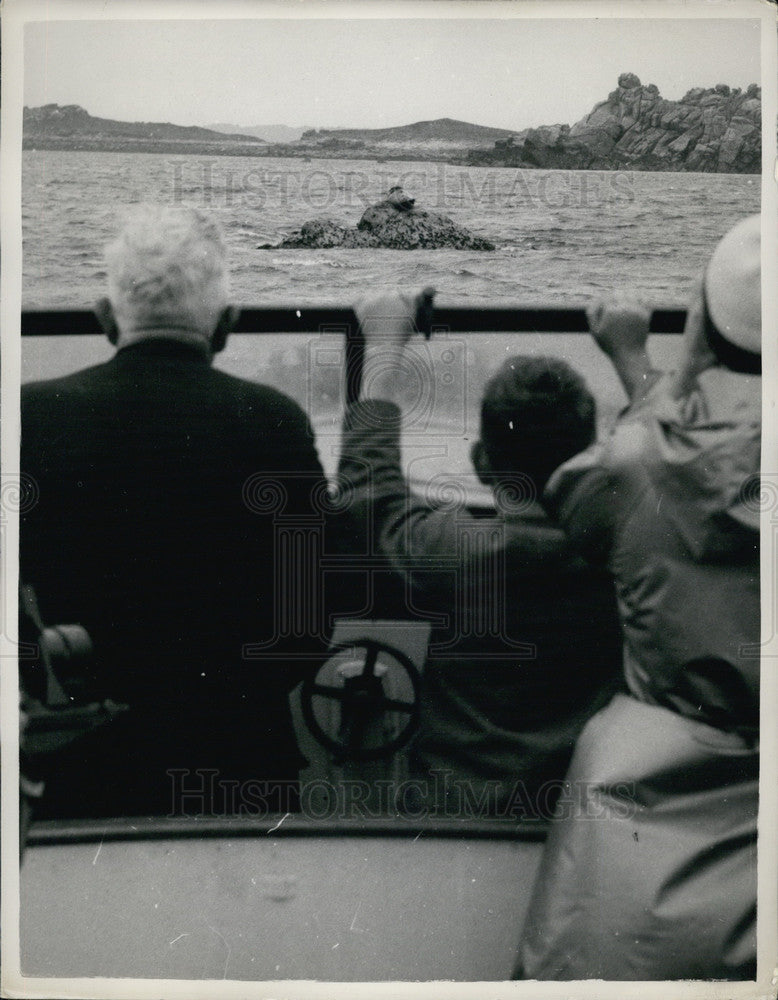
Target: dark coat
[165,489]
[525,645]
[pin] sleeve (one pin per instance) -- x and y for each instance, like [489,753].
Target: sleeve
[409,531]
[580,497]
[594,494]
[658,403]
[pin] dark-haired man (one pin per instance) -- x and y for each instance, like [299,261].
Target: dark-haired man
[525,643]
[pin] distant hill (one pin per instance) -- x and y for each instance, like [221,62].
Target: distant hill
[268,133]
[444,132]
[71,121]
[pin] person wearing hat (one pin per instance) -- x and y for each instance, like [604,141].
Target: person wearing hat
[652,874]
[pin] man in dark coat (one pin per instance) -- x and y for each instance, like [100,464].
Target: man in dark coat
[168,495]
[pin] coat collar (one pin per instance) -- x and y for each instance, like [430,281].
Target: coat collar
[164,347]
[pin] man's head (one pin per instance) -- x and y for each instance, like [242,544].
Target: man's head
[167,277]
[535,414]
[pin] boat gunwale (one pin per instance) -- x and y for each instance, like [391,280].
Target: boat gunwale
[48,833]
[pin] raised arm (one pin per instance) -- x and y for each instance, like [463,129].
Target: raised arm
[370,453]
[697,355]
[620,330]
[370,463]
[388,321]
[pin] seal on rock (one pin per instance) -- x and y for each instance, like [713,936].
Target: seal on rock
[393,223]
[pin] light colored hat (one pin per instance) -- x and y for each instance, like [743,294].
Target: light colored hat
[733,286]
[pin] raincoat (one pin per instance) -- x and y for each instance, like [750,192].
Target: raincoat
[650,868]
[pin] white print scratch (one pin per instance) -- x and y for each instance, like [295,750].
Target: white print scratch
[417,836]
[224,940]
[285,816]
[99,848]
[171,943]
[357,930]
[659,503]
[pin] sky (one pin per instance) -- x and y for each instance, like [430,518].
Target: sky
[509,73]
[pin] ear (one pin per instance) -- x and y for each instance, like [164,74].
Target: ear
[105,316]
[481,464]
[224,326]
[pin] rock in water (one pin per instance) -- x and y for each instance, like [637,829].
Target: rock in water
[393,223]
[411,229]
[320,233]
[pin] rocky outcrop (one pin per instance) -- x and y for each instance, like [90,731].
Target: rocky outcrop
[393,223]
[714,130]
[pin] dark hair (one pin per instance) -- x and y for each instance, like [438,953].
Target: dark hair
[536,413]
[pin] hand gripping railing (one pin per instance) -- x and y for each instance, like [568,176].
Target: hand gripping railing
[316,319]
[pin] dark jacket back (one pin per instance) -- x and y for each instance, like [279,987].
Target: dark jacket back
[163,485]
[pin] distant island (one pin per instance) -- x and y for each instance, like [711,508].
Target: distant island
[445,135]
[69,126]
[716,130]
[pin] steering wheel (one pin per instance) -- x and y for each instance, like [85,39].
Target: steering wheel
[364,704]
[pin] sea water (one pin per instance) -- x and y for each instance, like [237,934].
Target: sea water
[561,235]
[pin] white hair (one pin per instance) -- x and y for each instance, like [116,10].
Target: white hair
[168,269]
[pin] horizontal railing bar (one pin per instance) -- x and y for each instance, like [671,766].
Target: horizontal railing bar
[316,319]
[51,832]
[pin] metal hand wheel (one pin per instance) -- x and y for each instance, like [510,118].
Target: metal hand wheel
[354,678]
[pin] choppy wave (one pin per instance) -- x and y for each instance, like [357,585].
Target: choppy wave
[560,234]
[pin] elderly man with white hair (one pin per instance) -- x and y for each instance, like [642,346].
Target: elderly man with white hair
[145,532]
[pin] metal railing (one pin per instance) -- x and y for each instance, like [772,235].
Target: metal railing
[315,319]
